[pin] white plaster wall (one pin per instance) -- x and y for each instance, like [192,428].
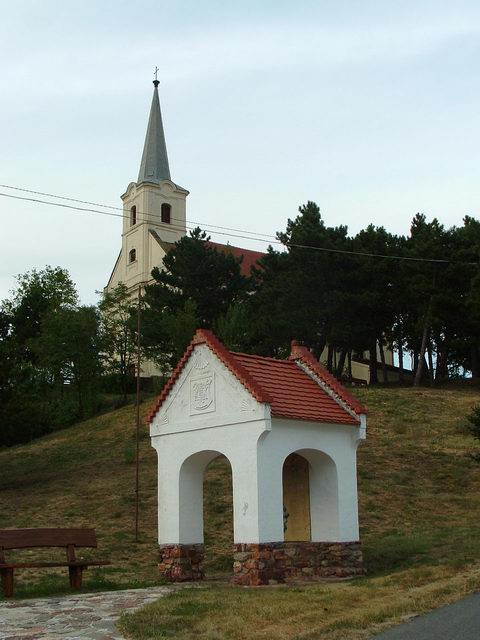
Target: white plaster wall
[182,459]
[338,444]
[231,422]
[231,425]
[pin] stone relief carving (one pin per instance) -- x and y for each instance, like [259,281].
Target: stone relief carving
[246,405]
[200,362]
[202,394]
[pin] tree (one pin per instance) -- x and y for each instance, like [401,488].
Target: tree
[233,328]
[440,322]
[474,419]
[27,395]
[369,296]
[467,346]
[196,286]
[37,294]
[294,290]
[68,352]
[118,334]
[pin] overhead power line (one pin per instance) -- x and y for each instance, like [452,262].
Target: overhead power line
[139,213]
[119,215]
[232,235]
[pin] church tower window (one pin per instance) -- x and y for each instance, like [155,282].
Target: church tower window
[133,215]
[132,256]
[166,213]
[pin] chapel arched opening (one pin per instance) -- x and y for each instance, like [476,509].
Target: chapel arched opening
[310,497]
[296,499]
[205,519]
[218,516]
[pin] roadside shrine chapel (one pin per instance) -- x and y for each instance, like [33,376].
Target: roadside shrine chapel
[290,432]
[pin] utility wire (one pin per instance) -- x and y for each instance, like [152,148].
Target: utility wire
[139,213]
[119,215]
[244,237]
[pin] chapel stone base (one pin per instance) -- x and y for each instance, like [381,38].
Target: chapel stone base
[273,562]
[181,562]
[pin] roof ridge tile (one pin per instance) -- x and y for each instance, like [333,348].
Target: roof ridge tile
[302,354]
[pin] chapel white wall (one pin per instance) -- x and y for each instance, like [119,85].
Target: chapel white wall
[339,443]
[231,426]
[241,429]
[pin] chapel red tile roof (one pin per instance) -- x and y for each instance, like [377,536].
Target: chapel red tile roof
[294,394]
[299,388]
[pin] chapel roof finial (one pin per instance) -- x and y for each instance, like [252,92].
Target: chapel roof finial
[154,166]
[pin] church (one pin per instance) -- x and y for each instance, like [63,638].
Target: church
[155,218]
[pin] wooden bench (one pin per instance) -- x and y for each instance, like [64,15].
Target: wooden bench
[31,538]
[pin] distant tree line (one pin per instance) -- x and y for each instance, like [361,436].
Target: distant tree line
[326,289]
[59,360]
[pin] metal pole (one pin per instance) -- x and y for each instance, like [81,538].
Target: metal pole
[137,435]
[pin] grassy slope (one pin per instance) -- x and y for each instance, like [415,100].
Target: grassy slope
[418,487]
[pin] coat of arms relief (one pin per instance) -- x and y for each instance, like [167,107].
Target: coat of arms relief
[202,394]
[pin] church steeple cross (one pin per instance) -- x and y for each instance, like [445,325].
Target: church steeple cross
[156,82]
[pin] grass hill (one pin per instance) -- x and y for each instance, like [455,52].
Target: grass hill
[418,486]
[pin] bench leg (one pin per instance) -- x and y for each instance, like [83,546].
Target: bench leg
[75,575]
[7,582]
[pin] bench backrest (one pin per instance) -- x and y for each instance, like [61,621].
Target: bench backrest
[27,538]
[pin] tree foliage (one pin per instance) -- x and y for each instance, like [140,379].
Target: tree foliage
[344,296]
[118,339]
[195,288]
[49,356]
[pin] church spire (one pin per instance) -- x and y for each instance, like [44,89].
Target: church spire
[154,166]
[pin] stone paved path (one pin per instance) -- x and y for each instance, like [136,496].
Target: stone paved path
[78,617]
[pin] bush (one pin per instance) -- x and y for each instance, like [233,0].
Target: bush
[474,419]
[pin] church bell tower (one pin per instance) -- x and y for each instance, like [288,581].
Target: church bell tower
[154,209]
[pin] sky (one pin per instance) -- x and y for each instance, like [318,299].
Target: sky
[369,108]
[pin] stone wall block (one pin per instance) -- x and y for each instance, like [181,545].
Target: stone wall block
[181,562]
[271,563]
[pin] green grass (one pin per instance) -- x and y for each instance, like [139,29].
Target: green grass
[334,611]
[419,504]
[53,584]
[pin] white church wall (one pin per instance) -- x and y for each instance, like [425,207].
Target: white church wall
[361,371]
[148,199]
[156,255]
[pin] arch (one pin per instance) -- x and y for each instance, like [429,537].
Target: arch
[218,515]
[296,498]
[322,500]
[166,213]
[133,215]
[190,498]
[132,255]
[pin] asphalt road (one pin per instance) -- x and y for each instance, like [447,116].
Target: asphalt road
[458,621]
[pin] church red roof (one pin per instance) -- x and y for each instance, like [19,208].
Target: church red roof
[299,388]
[250,257]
